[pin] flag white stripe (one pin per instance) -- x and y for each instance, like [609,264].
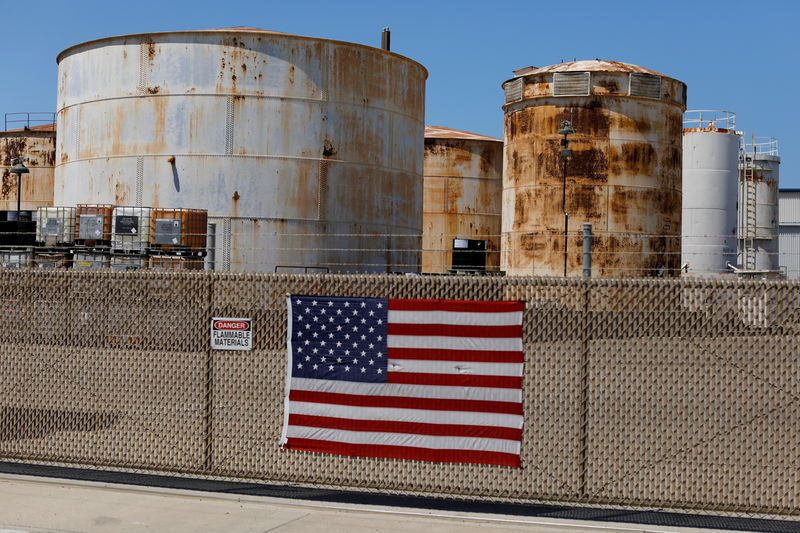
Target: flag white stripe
[408,391]
[390,414]
[512,318]
[455,367]
[455,343]
[405,439]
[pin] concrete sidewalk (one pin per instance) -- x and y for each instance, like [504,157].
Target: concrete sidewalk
[33,503]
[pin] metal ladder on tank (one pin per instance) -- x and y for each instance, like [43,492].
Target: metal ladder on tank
[749,211]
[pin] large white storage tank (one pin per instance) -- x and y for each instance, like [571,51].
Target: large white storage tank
[709,192]
[306,152]
[758,207]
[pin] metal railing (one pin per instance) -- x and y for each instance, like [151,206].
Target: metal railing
[710,119]
[27,119]
[761,146]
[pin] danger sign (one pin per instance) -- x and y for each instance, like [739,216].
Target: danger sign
[231,334]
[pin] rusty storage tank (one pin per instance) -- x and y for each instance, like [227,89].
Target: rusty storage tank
[623,177]
[306,152]
[38,144]
[462,196]
[709,191]
[758,207]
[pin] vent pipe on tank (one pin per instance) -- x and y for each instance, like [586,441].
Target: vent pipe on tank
[385,38]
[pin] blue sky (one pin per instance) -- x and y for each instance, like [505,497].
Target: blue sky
[733,55]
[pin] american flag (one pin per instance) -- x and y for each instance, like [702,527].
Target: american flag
[430,380]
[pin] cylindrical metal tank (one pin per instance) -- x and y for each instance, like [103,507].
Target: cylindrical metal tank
[623,175]
[758,206]
[38,144]
[307,153]
[710,188]
[462,197]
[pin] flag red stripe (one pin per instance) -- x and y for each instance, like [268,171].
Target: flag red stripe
[402,402]
[475,356]
[415,428]
[455,380]
[461,306]
[453,330]
[404,452]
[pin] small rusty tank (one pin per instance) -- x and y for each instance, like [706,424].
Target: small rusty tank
[38,144]
[462,195]
[623,175]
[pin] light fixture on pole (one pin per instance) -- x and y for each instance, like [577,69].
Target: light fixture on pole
[566,129]
[19,169]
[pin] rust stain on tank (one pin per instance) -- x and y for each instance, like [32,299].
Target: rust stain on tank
[120,193]
[235,198]
[328,148]
[151,50]
[153,90]
[638,157]
[606,87]
[13,147]
[9,185]
[523,203]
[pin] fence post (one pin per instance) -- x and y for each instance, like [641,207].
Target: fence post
[584,385]
[587,250]
[208,388]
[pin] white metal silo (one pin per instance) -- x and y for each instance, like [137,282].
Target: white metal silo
[758,207]
[306,152]
[709,192]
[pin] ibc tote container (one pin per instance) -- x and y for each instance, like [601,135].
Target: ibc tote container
[128,262]
[166,262]
[16,259]
[93,224]
[55,225]
[132,227]
[179,229]
[52,261]
[91,261]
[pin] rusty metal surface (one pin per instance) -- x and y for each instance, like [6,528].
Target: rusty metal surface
[37,187]
[587,65]
[655,393]
[624,177]
[441,132]
[272,131]
[462,196]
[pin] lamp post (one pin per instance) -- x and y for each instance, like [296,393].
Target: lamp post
[19,169]
[566,129]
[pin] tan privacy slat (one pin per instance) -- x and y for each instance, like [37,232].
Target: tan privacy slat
[666,393]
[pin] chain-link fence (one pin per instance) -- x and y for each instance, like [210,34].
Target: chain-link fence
[661,393]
